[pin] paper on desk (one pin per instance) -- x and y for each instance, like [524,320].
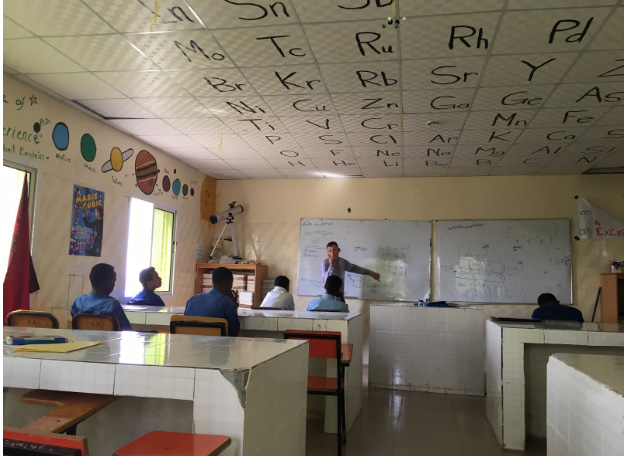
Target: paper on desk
[58,348]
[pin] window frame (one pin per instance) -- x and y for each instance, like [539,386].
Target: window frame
[174,242]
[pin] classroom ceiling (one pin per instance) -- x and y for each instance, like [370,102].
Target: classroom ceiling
[313,88]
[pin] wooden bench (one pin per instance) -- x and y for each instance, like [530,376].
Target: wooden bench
[19,442]
[71,409]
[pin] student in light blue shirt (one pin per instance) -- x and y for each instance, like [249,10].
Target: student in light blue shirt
[102,278]
[150,280]
[330,300]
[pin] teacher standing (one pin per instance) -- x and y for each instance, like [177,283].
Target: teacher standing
[334,265]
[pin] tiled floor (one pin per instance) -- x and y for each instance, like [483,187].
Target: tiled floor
[398,423]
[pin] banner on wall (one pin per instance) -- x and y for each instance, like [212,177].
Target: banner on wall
[87,222]
[595,223]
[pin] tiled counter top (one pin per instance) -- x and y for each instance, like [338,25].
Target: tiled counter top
[585,405]
[509,349]
[229,380]
[272,323]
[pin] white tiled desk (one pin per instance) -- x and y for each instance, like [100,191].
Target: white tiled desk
[438,350]
[510,347]
[272,323]
[585,405]
[253,390]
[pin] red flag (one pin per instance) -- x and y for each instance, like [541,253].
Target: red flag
[20,279]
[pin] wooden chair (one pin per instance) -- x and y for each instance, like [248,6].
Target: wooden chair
[32,319]
[71,409]
[199,326]
[17,441]
[162,443]
[326,344]
[95,322]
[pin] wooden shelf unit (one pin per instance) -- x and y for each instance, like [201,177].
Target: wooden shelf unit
[612,298]
[258,271]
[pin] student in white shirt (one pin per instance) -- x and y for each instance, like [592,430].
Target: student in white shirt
[279,296]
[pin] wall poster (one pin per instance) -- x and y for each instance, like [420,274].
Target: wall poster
[87,222]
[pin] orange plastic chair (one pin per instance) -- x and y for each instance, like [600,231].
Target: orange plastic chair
[95,322]
[32,319]
[326,344]
[162,443]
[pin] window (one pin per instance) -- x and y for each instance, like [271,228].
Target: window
[11,191]
[150,243]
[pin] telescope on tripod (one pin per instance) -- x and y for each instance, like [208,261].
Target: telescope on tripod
[227,215]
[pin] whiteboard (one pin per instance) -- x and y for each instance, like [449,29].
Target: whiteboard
[398,250]
[503,261]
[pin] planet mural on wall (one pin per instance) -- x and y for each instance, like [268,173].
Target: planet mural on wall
[166,184]
[146,171]
[175,187]
[117,159]
[87,147]
[185,190]
[60,136]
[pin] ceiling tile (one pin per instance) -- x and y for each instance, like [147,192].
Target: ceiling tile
[433,121]
[359,42]
[260,46]
[77,86]
[597,66]
[578,116]
[330,11]
[441,101]
[534,69]
[318,125]
[285,80]
[142,16]
[213,82]
[182,50]
[576,95]
[448,35]
[550,136]
[101,53]
[356,77]
[175,107]
[504,118]
[455,73]
[192,152]
[240,164]
[147,127]
[8,70]
[236,106]
[42,58]
[170,141]
[197,126]
[517,97]
[262,173]
[611,34]
[244,14]
[301,105]
[71,17]
[117,107]
[371,102]
[12,30]
[552,30]
[144,84]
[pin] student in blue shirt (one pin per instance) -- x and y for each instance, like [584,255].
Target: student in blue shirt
[102,278]
[220,302]
[150,280]
[329,301]
[551,309]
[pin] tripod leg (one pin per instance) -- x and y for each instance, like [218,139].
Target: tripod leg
[217,243]
[235,246]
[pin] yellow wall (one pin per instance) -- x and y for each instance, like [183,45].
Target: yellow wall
[268,229]
[61,276]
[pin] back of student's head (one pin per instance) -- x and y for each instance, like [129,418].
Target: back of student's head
[332,244]
[282,281]
[221,276]
[100,274]
[146,275]
[546,298]
[333,284]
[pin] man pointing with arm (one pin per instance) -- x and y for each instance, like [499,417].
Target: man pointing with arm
[334,265]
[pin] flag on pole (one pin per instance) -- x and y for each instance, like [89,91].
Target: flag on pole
[20,279]
[595,223]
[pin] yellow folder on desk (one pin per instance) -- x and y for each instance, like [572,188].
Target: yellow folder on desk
[58,348]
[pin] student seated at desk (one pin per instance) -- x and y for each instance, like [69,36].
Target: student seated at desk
[220,302]
[102,277]
[150,280]
[280,296]
[329,301]
[551,309]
